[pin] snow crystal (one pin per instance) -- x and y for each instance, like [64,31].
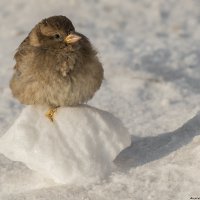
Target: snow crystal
[78,147]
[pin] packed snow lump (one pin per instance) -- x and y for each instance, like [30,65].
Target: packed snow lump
[79,145]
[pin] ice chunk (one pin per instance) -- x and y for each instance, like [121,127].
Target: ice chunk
[79,145]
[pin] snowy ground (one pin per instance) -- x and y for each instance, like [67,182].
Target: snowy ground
[151,56]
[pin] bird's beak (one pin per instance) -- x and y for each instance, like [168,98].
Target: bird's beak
[72,38]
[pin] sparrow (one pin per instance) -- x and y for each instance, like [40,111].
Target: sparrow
[55,66]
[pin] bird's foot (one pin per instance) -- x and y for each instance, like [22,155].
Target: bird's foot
[50,114]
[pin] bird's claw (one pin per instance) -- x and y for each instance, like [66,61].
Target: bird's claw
[50,114]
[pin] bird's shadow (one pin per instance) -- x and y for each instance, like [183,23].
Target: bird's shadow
[147,149]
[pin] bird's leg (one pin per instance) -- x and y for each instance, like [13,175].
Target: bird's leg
[51,112]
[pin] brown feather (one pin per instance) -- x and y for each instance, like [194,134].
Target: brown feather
[49,72]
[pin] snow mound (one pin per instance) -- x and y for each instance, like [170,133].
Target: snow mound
[79,145]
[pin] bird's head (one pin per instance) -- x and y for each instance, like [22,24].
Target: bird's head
[54,32]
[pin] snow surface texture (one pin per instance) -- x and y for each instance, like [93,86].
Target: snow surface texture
[151,55]
[78,147]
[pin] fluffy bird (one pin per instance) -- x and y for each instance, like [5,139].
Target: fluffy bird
[55,66]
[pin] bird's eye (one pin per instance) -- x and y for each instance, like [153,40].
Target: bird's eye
[57,36]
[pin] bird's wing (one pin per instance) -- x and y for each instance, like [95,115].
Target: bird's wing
[21,54]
